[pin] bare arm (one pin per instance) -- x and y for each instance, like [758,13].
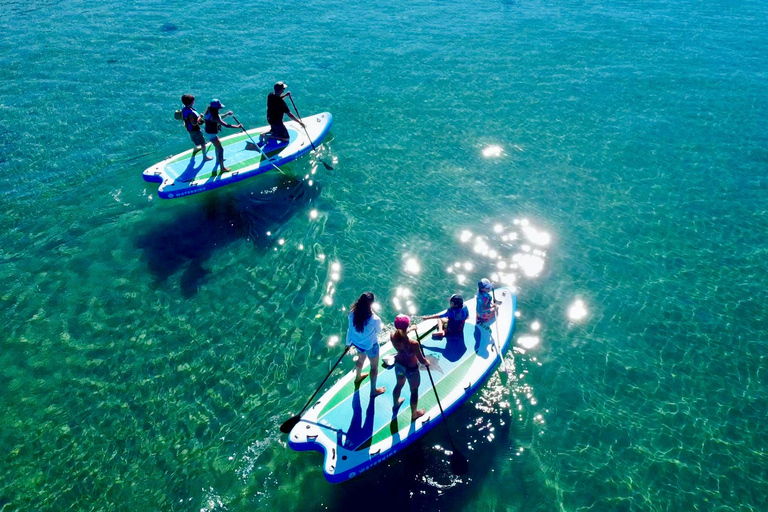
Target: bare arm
[221,121]
[294,118]
[417,347]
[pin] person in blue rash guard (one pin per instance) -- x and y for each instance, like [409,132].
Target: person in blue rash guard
[451,322]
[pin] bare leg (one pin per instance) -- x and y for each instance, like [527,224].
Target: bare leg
[361,357]
[398,401]
[374,374]
[414,380]
[440,334]
[202,148]
[205,152]
[219,155]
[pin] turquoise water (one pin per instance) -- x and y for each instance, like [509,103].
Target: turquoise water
[611,156]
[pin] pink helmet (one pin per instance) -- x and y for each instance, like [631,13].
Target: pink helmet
[402,322]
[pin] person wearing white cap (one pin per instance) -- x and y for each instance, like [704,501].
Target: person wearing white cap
[276,108]
[486,306]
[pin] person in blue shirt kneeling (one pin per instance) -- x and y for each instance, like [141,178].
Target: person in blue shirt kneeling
[451,322]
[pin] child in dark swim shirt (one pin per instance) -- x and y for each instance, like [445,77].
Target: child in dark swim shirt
[451,322]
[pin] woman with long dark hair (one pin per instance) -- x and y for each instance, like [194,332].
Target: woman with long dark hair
[364,327]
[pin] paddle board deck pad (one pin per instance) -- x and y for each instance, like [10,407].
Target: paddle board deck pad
[182,175]
[355,432]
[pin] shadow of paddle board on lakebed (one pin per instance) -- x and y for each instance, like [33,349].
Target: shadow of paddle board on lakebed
[209,223]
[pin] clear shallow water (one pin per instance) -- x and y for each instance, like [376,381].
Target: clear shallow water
[150,349]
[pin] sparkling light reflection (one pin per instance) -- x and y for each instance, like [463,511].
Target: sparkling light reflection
[492,151]
[577,311]
[528,342]
[530,264]
[412,266]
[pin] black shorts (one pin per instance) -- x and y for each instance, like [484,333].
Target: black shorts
[279,131]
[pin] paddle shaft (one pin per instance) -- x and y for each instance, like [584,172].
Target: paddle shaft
[503,365]
[346,349]
[243,128]
[257,146]
[302,122]
[429,372]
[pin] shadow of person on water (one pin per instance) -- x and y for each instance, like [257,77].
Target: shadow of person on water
[203,226]
[361,426]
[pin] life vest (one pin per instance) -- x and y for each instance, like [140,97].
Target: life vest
[185,113]
[211,125]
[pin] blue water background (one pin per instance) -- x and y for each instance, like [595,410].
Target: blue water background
[149,349]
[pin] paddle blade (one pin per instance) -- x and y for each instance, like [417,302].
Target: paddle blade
[459,463]
[504,378]
[288,425]
[327,166]
[250,146]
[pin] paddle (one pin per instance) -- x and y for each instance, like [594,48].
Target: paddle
[503,365]
[327,166]
[459,463]
[291,422]
[254,145]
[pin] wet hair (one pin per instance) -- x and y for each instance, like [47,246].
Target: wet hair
[399,339]
[361,310]
[187,99]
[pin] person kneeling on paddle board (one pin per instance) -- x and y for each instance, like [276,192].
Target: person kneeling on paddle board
[192,121]
[486,306]
[407,366]
[213,123]
[363,330]
[452,321]
[276,108]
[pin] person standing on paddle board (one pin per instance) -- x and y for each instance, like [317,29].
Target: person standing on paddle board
[452,321]
[192,121]
[407,366]
[213,123]
[276,108]
[486,306]
[364,327]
